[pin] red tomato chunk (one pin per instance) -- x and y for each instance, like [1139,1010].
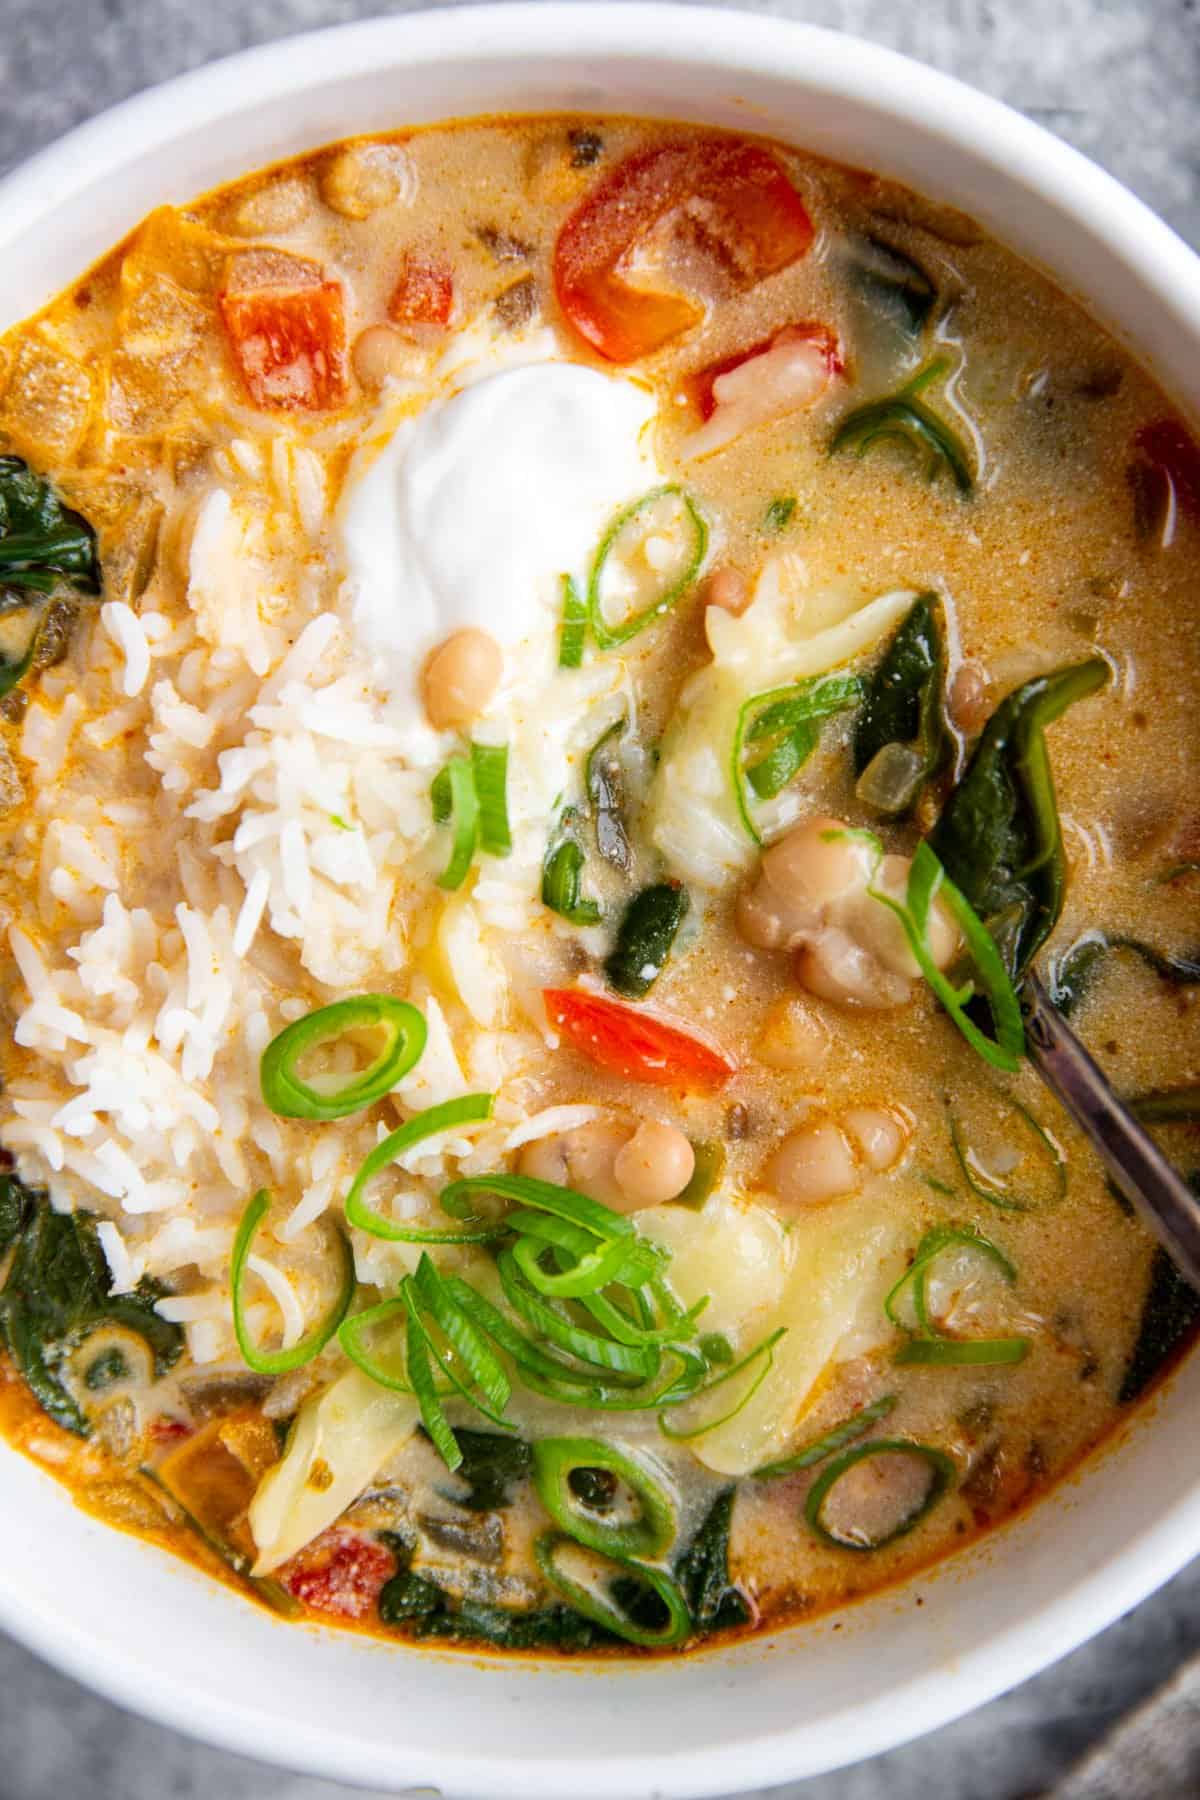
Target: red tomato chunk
[339,1573]
[733,200]
[423,294]
[289,344]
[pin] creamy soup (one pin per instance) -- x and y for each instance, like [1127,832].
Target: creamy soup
[556,674]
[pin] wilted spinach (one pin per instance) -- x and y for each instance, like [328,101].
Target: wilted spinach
[900,734]
[427,1610]
[1075,973]
[714,1600]
[892,283]
[492,1465]
[44,548]
[56,1295]
[1170,1313]
[998,837]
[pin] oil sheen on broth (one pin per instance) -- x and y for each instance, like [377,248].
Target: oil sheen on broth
[532,656]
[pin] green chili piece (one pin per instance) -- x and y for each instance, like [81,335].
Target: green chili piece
[710,1167]
[607,636]
[644,938]
[616,1614]
[942,1473]
[337,1096]
[753,1368]
[649,1535]
[278,1362]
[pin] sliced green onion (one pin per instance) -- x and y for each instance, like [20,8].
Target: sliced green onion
[618,1324]
[963,1352]
[545,1196]
[638,1362]
[792,717]
[489,766]
[336,1096]
[905,419]
[753,1369]
[573,632]
[594,1270]
[710,1166]
[353,1335]
[278,1362]
[555,1460]
[458,1329]
[608,636]
[926,881]
[562,884]
[992,1188]
[779,514]
[913,1282]
[624,1578]
[456,802]
[421,1376]
[942,1475]
[836,1438]
[470,1109]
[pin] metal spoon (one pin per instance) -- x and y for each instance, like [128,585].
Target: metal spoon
[1134,1161]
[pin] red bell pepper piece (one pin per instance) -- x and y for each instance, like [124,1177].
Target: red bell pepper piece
[638,1045]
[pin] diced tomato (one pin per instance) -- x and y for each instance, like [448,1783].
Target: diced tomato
[289,343]
[423,294]
[339,1573]
[1172,449]
[809,331]
[734,199]
[639,1045]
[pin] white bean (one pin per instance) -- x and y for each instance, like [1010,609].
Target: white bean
[460,678]
[812,1165]
[654,1166]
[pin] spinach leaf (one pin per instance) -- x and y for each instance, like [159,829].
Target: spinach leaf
[644,938]
[892,283]
[905,419]
[56,1295]
[1076,971]
[492,1465]
[428,1611]
[43,544]
[900,734]
[703,1571]
[998,837]
[604,780]
[1170,1314]
[44,548]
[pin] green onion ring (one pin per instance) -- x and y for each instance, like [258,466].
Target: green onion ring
[963,1352]
[943,1474]
[465,1339]
[469,1110]
[556,1459]
[637,1363]
[279,1362]
[423,1386]
[293,1098]
[764,1351]
[606,636]
[353,1330]
[489,768]
[462,811]
[679,1622]
[573,632]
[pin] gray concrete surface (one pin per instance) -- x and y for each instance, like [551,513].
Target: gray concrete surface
[1121,80]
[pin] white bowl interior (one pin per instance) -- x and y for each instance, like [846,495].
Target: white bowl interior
[158,1637]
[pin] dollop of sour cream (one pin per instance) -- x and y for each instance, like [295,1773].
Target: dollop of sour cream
[474,509]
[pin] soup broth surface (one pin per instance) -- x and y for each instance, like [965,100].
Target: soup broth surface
[552,589]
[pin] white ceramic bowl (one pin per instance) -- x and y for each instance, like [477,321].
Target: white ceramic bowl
[159,1638]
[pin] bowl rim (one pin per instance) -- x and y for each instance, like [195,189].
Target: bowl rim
[1126,229]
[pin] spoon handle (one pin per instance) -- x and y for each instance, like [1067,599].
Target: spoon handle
[1134,1161]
